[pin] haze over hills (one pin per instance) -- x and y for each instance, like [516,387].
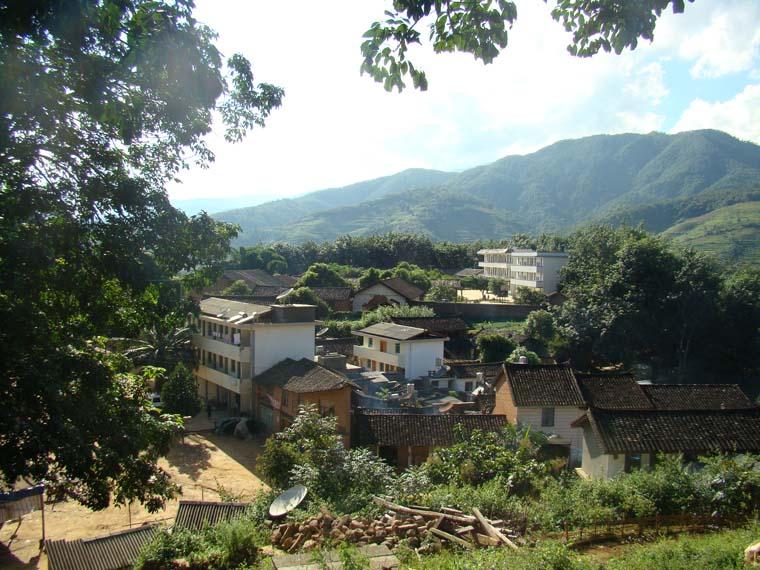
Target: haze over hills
[657,179]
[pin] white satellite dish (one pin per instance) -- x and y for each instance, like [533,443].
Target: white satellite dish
[287,501]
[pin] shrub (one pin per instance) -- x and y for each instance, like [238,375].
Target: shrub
[540,326]
[531,356]
[385,313]
[494,347]
[441,293]
[306,296]
[529,296]
[180,393]
[238,287]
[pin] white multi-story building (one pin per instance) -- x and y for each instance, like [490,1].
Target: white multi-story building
[524,267]
[236,341]
[410,351]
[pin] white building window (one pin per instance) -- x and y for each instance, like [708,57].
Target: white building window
[547,417]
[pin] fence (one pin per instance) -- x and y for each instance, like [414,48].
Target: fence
[659,524]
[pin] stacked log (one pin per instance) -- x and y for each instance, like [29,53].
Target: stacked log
[409,524]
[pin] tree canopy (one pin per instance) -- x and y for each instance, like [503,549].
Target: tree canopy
[481,28]
[102,104]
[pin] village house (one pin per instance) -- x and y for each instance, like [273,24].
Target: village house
[545,398]
[524,267]
[411,352]
[393,291]
[405,439]
[237,341]
[458,343]
[627,424]
[467,376]
[253,278]
[339,299]
[281,390]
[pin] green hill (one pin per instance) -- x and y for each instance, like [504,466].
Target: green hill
[655,179]
[731,232]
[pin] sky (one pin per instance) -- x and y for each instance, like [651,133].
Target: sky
[336,127]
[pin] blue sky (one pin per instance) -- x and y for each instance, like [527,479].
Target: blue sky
[336,127]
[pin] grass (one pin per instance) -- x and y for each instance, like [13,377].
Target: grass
[513,326]
[731,233]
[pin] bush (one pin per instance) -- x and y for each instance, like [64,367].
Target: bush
[529,296]
[441,293]
[540,326]
[306,296]
[180,393]
[494,347]
[238,287]
[531,356]
[385,313]
[310,452]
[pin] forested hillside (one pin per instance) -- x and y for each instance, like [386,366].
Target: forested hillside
[655,179]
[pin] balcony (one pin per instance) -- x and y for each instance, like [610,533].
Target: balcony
[378,356]
[219,378]
[222,348]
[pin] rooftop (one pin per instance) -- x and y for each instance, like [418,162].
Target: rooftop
[303,376]
[109,552]
[400,286]
[697,397]
[332,293]
[397,332]
[543,385]
[695,431]
[425,430]
[228,309]
[490,370]
[194,515]
[435,324]
[613,391]
[256,277]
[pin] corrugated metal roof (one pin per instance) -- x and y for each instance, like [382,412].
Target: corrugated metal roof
[111,552]
[194,515]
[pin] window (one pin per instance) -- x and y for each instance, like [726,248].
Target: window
[547,417]
[383,346]
[468,386]
[398,348]
[632,462]
[369,342]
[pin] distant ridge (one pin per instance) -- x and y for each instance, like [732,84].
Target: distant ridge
[655,179]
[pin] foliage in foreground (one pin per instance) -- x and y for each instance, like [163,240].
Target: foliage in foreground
[310,452]
[180,393]
[225,546]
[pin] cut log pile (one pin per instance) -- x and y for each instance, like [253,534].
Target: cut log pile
[419,527]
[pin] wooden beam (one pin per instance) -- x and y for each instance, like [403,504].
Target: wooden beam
[461,519]
[451,538]
[490,530]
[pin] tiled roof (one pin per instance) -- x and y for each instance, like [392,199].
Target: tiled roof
[269,290]
[397,332]
[420,429]
[435,324]
[543,385]
[697,396]
[698,431]
[302,376]
[252,277]
[110,552]
[469,272]
[194,515]
[490,370]
[613,392]
[343,346]
[332,293]
[403,288]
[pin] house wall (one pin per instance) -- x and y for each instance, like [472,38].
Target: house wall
[551,269]
[563,417]
[276,342]
[600,465]
[363,297]
[422,356]
[504,403]
[411,455]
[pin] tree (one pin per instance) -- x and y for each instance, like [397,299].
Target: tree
[494,347]
[238,287]
[477,282]
[481,27]
[277,266]
[529,296]
[180,392]
[321,275]
[104,102]
[540,326]
[369,277]
[520,351]
[306,296]
[441,293]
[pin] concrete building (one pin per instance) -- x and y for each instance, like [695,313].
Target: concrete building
[524,267]
[410,351]
[237,341]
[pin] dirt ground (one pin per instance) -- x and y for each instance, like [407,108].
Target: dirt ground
[200,465]
[475,295]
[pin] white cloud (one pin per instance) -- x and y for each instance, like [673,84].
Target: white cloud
[640,122]
[739,116]
[648,83]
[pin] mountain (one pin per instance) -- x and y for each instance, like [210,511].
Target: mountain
[192,206]
[731,232]
[657,179]
[258,222]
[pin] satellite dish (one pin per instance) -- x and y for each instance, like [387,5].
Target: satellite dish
[287,501]
[323,331]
